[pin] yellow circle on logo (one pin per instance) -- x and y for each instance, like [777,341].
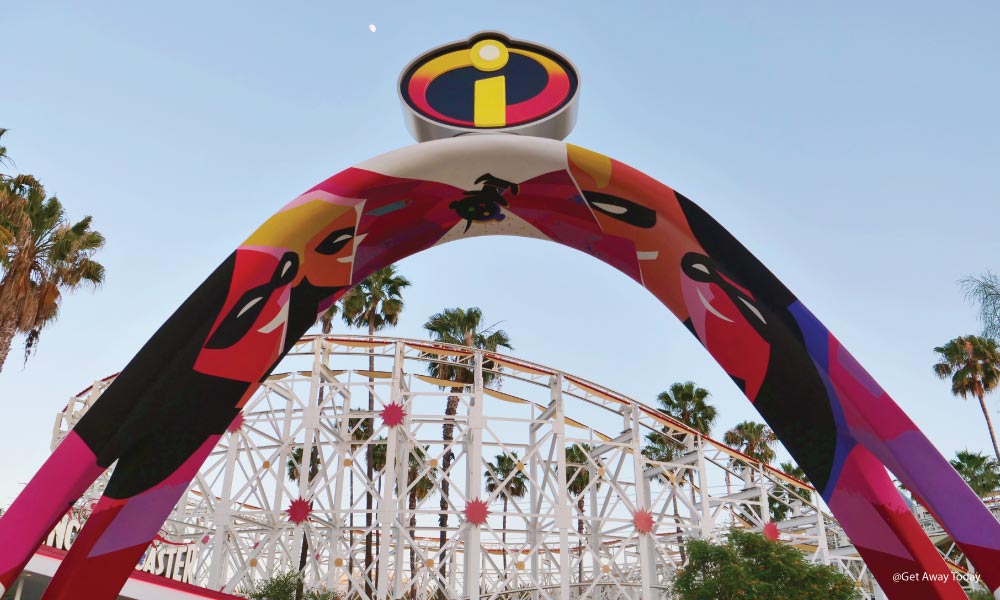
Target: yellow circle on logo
[489,55]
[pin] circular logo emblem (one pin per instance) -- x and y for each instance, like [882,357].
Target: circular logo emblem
[489,83]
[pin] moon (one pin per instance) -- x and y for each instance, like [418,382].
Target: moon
[371,28]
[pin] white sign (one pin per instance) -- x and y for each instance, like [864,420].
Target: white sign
[175,562]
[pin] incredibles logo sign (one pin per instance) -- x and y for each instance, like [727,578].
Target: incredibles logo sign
[489,82]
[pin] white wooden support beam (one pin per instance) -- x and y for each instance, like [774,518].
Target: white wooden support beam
[473,440]
[647,566]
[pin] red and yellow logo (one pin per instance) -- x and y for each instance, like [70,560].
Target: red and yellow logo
[489,82]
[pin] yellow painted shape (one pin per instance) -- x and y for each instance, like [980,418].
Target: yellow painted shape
[445,383]
[596,166]
[292,228]
[503,396]
[438,351]
[489,55]
[519,367]
[442,64]
[491,102]
[358,344]
[375,374]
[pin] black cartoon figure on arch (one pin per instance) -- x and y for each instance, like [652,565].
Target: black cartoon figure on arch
[483,205]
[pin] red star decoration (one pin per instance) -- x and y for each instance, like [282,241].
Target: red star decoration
[393,414]
[476,512]
[643,521]
[236,424]
[298,511]
[771,531]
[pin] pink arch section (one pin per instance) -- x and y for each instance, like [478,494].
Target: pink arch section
[190,381]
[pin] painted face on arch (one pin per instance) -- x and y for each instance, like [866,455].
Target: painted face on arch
[329,253]
[248,333]
[320,228]
[728,320]
[311,240]
[629,204]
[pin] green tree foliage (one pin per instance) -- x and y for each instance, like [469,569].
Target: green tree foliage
[753,439]
[295,463]
[687,403]
[782,497]
[421,480]
[44,254]
[973,364]
[463,327]
[578,469]
[283,587]
[756,441]
[374,304]
[981,472]
[750,566]
[984,290]
[503,474]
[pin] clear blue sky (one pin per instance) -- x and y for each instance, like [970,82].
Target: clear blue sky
[854,149]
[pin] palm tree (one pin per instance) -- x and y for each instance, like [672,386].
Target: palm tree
[577,482]
[360,432]
[754,440]
[379,453]
[662,447]
[504,474]
[985,290]
[463,327]
[981,472]
[973,363]
[780,508]
[43,256]
[419,490]
[4,159]
[686,403]
[293,468]
[375,303]
[326,319]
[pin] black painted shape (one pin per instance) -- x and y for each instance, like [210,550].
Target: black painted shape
[336,241]
[484,204]
[624,210]
[793,398]
[244,313]
[107,427]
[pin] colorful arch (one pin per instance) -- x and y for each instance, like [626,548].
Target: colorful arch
[160,422]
